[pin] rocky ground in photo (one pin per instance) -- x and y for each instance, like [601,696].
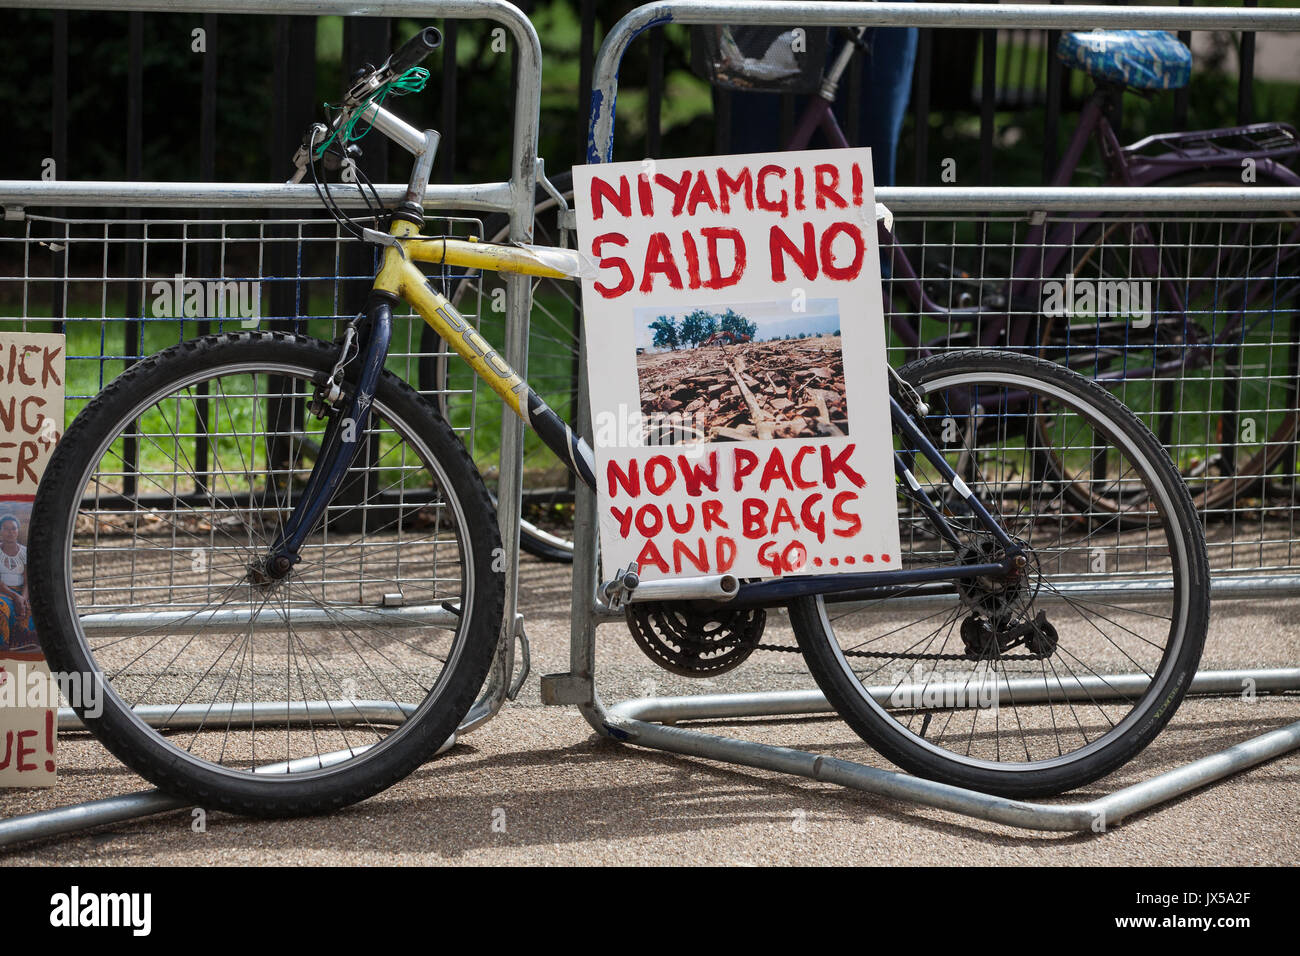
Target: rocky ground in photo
[781,389]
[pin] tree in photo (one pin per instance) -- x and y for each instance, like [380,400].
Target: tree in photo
[696,327]
[733,321]
[666,336]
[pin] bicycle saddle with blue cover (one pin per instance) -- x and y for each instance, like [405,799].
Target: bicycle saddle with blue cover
[1141,59]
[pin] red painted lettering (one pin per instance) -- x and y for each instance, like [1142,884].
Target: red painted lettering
[620,199]
[780,245]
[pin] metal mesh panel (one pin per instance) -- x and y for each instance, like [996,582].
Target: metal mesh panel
[123,288]
[179,503]
[1189,319]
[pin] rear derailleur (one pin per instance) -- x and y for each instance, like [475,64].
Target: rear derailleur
[987,639]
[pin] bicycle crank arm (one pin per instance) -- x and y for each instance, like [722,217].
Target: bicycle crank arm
[343,438]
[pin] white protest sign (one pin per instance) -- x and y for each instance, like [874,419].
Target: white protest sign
[31,422]
[736,359]
[29,702]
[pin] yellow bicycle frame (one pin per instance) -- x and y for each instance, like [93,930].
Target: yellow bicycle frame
[400,276]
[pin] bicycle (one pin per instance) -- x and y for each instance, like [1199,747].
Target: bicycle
[1224,298]
[258,654]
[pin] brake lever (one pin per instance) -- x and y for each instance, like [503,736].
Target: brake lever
[361,91]
[302,157]
[382,239]
[300,160]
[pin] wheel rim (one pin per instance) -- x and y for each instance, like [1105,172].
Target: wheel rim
[959,729]
[341,655]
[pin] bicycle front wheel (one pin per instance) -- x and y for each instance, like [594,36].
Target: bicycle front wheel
[263,697]
[1006,684]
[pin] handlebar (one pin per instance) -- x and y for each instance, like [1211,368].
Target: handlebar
[409,55]
[413,51]
[363,102]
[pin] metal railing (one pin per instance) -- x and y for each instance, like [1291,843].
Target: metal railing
[654,722]
[1017,71]
[1249,531]
[968,16]
[280,230]
[915,208]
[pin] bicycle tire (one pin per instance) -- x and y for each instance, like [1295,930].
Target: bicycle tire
[86,535]
[991,762]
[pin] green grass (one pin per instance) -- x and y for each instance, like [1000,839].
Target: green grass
[550,374]
[98,351]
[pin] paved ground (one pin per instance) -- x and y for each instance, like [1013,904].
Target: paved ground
[567,796]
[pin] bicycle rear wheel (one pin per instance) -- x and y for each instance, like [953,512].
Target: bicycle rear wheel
[268,698]
[1001,684]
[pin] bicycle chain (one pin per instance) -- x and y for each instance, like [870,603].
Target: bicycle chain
[910,657]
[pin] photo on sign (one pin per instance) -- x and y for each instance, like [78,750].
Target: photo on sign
[741,371]
[17,632]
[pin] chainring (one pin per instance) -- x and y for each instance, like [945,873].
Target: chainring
[695,643]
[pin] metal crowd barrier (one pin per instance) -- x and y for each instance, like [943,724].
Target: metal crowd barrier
[653,722]
[641,722]
[69,215]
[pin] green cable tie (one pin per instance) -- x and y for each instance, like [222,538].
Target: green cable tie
[412,81]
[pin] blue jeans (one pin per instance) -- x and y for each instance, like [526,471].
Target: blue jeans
[887,87]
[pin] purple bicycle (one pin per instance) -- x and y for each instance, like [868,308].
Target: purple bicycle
[1215,295]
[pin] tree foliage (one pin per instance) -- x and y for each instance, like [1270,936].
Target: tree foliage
[665,330]
[696,327]
[732,321]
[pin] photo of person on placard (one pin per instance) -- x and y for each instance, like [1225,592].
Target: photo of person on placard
[16,633]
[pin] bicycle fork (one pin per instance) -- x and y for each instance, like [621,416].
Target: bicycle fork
[344,436]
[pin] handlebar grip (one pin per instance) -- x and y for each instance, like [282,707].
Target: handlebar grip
[414,50]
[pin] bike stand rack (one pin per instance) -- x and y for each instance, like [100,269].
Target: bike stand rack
[648,721]
[130,806]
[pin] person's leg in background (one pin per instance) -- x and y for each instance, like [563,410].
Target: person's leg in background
[755,122]
[886,91]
